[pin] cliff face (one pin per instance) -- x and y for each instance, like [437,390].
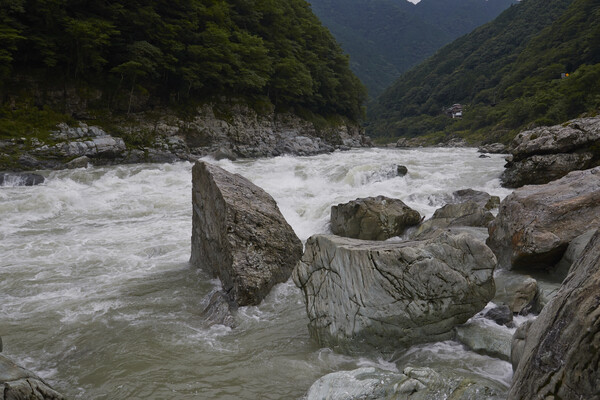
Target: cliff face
[162,135]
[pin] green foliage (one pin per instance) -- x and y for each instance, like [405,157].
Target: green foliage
[27,120]
[384,38]
[508,73]
[180,50]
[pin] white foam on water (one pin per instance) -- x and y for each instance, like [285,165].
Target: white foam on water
[96,292]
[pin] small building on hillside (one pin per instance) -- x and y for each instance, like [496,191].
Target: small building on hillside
[456,111]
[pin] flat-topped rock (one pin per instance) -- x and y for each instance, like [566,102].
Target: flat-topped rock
[392,295]
[239,234]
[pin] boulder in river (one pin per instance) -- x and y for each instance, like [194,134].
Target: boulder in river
[17,383]
[535,224]
[493,148]
[239,235]
[561,354]
[392,295]
[547,153]
[372,218]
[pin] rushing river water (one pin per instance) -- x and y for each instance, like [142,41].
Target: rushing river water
[97,296]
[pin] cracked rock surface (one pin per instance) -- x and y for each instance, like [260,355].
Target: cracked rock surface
[372,218]
[17,383]
[535,224]
[364,294]
[547,153]
[239,235]
[561,353]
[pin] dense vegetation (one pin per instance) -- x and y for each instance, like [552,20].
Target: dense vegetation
[175,51]
[507,74]
[386,37]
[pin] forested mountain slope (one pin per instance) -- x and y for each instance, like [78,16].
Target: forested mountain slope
[139,53]
[507,74]
[386,37]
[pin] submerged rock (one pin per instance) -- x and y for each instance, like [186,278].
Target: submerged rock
[402,170]
[494,341]
[372,218]
[392,295]
[219,309]
[412,384]
[20,179]
[17,383]
[535,224]
[239,235]
[561,354]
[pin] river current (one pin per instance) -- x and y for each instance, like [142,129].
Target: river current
[97,296]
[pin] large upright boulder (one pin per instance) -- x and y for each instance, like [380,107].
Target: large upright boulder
[547,153]
[536,223]
[17,383]
[239,234]
[372,218]
[561,354]
[390,295]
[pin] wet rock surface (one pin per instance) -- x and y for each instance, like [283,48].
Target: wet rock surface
[373,218]
[535,224]
[239,235]
[561,353]
[411,384]
[17,383]
[544,154]
[20,179]
[365,294]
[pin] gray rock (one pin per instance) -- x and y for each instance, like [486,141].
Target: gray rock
[402,170]
[390,295]
[544,154]
[519,292]
[20,179]
[493,148]
[219,310]
[372,218]
[562,350]
[224,153]
[17,383]
[540,169]
[79,162]
[535,224]
[412,384]
[239,235]
[483,199]
[574,251]
[485,339]
[518,343]
[501,315]
[454,215]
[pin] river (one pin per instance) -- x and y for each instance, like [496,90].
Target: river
[97,296]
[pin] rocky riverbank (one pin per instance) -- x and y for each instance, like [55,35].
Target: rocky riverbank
[162,136]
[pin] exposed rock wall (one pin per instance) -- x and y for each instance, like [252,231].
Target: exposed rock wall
[163,136]
[239,235]
[561,354]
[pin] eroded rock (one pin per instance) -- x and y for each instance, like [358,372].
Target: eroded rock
[239,235]
[17,383]
[373,218]
[391,295]
[562,348]
[535,224]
